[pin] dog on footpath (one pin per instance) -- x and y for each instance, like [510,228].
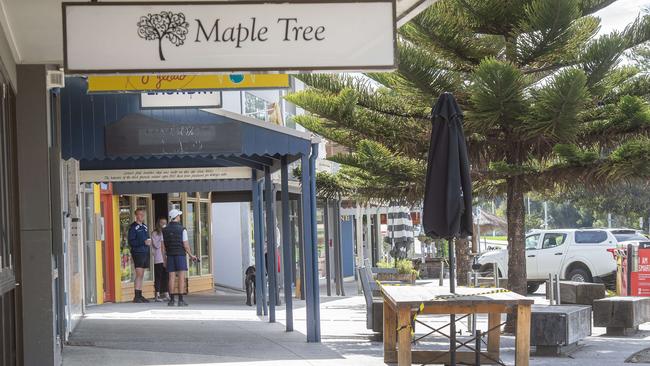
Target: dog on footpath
[249,280]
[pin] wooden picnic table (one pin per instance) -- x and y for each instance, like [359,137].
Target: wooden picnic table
[402,302]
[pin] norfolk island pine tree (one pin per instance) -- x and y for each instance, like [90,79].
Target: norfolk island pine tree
[548,104]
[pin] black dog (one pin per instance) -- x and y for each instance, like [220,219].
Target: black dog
[250,285]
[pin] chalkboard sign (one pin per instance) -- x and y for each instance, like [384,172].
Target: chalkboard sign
[138,135]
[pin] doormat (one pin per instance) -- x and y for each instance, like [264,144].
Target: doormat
[640,357]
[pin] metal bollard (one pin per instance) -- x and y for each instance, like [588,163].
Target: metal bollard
[550,288]
[477,360]
[442,273]
[557,284]
[495,269]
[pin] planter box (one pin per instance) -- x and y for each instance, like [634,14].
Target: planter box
[579,292]
[408,278]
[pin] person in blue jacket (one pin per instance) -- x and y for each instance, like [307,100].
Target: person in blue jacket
[139,243]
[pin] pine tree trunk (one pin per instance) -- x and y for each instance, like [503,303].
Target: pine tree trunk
[516,215]
[462,261]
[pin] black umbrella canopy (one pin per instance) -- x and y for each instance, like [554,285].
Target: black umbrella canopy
[447,211]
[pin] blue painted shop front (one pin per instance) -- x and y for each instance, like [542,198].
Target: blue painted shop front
[113,132]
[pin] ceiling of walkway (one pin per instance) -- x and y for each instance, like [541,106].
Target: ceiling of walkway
[33,27]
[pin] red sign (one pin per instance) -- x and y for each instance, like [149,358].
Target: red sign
[640,280]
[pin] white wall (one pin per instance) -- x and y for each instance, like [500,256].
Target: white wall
[230,243]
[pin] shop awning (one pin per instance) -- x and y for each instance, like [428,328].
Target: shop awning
[112,131]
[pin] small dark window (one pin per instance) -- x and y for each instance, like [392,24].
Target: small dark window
[590,237]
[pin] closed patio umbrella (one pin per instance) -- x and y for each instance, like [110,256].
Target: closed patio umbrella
[447,211]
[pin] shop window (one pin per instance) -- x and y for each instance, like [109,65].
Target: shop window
[256,107]
[191,227]
[204,227]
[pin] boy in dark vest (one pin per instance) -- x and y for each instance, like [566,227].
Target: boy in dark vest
[177,246]
[139,243]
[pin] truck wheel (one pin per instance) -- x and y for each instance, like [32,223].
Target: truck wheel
[533,287]
[579,275]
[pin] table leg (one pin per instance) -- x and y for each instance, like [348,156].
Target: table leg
[390,333]
[522,345]
[494,336]
[404,336]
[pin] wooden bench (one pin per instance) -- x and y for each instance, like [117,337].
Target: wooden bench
[582,293]
[621,315]
[556,329]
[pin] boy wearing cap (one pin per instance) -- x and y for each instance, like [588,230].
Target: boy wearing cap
[177,245]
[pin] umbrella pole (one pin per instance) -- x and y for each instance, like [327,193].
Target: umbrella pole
[452,289]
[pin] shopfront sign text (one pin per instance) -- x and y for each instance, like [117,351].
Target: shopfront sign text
[110,37]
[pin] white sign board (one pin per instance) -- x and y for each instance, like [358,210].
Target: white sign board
[182,99]
[105,37]
[163,174]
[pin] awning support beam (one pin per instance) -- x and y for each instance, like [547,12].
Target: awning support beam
[259,247]
[287,252]
[271,259]
[308,164]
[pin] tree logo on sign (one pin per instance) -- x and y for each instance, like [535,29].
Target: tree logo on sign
[166,24]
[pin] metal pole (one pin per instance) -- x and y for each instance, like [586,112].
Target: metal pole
[326,222]
[442,273]
[301,250]
[452,317]
[550,288]
[314,238]
[545,215]
[339,252]
[311,275]
[477,360]
[495,271]
[557,284]
[478,229]
[259,248]
[287,252]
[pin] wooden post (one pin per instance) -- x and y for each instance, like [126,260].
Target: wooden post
[494,336]
[522,338]
[390,333]
[404,336]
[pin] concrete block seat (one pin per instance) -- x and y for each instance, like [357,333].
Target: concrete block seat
[621,315]
[582,293]
[556,329]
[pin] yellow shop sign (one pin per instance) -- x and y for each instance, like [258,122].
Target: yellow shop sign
[147,83]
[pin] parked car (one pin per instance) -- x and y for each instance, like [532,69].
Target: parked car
[582,255]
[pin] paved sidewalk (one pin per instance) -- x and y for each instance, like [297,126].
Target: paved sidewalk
[220,329]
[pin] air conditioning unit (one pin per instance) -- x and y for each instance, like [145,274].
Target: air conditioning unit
[55,79]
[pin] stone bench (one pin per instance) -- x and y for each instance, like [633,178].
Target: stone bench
[556,329]
[621,315]
[582,293]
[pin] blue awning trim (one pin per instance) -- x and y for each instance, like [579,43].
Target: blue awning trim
[84,118]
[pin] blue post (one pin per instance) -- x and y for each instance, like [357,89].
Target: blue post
[314,237]
[259,248]
[262,273]
[270,242]
[311,276]
[287,247]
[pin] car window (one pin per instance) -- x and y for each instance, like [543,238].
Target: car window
[531,241]
[590,237]
[625,235]
[553,240]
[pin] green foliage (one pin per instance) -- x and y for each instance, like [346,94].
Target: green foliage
[403,266]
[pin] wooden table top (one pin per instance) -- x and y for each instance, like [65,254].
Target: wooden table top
[431,294]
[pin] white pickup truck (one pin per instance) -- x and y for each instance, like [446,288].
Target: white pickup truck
[575,254]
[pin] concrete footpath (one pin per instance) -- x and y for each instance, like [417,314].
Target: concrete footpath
[217,328]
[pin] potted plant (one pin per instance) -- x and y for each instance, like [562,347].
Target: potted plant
[404,271]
